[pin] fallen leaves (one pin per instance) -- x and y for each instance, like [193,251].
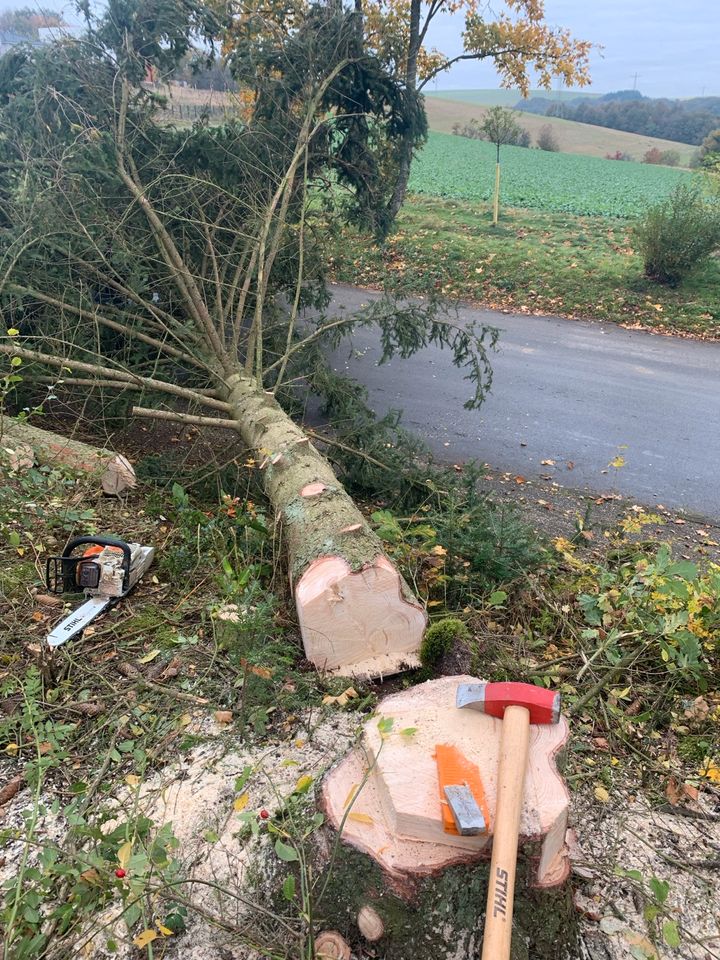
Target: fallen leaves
[11,789]
[149,657]
[677,792]
[144,938]
[710,769]
[149,935]
[303,784]
[361,818]
[351,795]
[342,699]
[698,710]
[265,673]
[124,854]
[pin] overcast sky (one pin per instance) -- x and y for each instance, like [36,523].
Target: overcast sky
[672,45]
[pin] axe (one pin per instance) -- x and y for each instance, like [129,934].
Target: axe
[517,705]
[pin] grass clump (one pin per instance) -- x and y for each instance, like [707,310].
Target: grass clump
[677,235]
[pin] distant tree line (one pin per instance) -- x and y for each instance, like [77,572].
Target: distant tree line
[25,21]
[687,121]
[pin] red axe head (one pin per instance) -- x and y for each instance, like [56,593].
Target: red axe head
[492,698]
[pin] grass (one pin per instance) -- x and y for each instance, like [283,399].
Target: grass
[450,166]
[534,262]
[573,137]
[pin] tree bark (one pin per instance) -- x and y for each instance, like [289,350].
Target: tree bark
[405,152]
[114,472]
[356,613]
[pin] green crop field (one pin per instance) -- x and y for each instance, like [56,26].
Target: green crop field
[451,166]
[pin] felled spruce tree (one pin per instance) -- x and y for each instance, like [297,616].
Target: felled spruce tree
[177,263]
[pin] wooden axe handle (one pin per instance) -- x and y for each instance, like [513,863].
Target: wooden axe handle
[501,888]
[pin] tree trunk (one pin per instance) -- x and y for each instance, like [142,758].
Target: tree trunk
[356,613]
[403,177]
[17,439]
[405,151]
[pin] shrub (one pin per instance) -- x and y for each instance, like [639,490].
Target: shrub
[618,155]
[668,610]
[709,152]
[666,158]
[547,140]
[676,235]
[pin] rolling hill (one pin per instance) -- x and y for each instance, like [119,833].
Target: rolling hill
[504,98]
[573,137]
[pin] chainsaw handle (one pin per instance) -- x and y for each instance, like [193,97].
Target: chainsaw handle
[100,541]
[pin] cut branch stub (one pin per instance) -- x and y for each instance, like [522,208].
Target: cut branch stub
[357,615]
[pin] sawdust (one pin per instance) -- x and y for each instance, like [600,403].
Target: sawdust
[197,794]
[629,835]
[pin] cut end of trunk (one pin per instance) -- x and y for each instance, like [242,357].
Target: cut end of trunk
[359,622]
[397,818]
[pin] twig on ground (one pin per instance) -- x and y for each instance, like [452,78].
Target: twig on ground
[132,673]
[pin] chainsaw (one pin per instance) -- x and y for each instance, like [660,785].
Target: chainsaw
[106,571]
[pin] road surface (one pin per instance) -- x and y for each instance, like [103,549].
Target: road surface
[565,390]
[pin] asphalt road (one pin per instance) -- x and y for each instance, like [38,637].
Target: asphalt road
[570,391]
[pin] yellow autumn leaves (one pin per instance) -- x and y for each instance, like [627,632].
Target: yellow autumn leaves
[147,936]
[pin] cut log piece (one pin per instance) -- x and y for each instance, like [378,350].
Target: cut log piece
[357,615]
[425,887]
[114,472]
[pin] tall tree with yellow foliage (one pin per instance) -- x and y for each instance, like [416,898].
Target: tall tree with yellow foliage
[518,39]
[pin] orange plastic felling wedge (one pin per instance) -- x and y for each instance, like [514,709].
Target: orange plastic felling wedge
[455,769]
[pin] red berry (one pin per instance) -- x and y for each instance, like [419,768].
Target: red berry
[120,873]
[264,815]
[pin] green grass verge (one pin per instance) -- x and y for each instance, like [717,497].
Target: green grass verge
[533,261]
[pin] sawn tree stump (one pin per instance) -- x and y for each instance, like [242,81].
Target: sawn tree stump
[397,880]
